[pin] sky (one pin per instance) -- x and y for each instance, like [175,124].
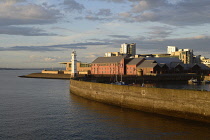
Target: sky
[42,33]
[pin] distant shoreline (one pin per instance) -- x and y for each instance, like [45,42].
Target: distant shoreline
[19,69]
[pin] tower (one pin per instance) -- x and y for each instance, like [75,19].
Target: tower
[128,49]
[73,64]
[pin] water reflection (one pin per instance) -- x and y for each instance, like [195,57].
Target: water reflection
[127,123]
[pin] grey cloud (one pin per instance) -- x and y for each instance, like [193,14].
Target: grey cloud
[104,12]
[39,48]
[13,1]
[62,29]
[72,5]
[15,13]
[144,5]
[116,1]
[95,18]
[24,31]
[119,36]
[159,32]
[28,48]
[58,47]
[100,15]
[182,13]
[79,45]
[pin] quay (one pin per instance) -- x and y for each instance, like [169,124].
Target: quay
[47,76]
[187,104]
[114,78]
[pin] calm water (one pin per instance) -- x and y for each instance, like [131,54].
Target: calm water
[33,109]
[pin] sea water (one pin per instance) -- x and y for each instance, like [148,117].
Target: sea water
[44,109]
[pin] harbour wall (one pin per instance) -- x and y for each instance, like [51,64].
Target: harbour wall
[47,76]
[187,104]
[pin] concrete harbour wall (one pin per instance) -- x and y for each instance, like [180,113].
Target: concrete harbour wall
[49,72]
[188,104]
[47,76]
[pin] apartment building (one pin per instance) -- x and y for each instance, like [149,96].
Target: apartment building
[128,49]
[185,55]
[171,49]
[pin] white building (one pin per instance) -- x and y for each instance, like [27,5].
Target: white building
[205,61]
[171,49]
[128,49]
[73,64]
[110,54]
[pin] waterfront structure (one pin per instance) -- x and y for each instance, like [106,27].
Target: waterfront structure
[128,49]
[176,67]
[110,54]
[187,104]
[82,68]
[175,61]
[171,49]
[115,63]
[151,55]
[131,66]
[73,64]
[205,61]
[197,59]
[135,66]
[108,65]
[185,55]
[166,60]
[149,67]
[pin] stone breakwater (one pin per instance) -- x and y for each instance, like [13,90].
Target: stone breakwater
[47,76]
[187,104]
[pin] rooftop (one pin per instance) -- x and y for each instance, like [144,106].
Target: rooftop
[114,59]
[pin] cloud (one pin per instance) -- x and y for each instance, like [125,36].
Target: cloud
[62,29]
[72,5]
[59,47]
[14,12]
[119,36]
[179,13]
[24,31]
[100,15]
[50,59]
[104,12]
[29,48]
[43,59]
[115,1]
[159,32]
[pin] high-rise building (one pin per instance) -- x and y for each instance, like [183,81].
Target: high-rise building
[186,55]
[171,49]
[128,49]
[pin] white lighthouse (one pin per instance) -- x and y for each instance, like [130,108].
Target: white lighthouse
[73,64]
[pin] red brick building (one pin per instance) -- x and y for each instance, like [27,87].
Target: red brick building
[108,65]
[149,67]
[122,65]
[131,66]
